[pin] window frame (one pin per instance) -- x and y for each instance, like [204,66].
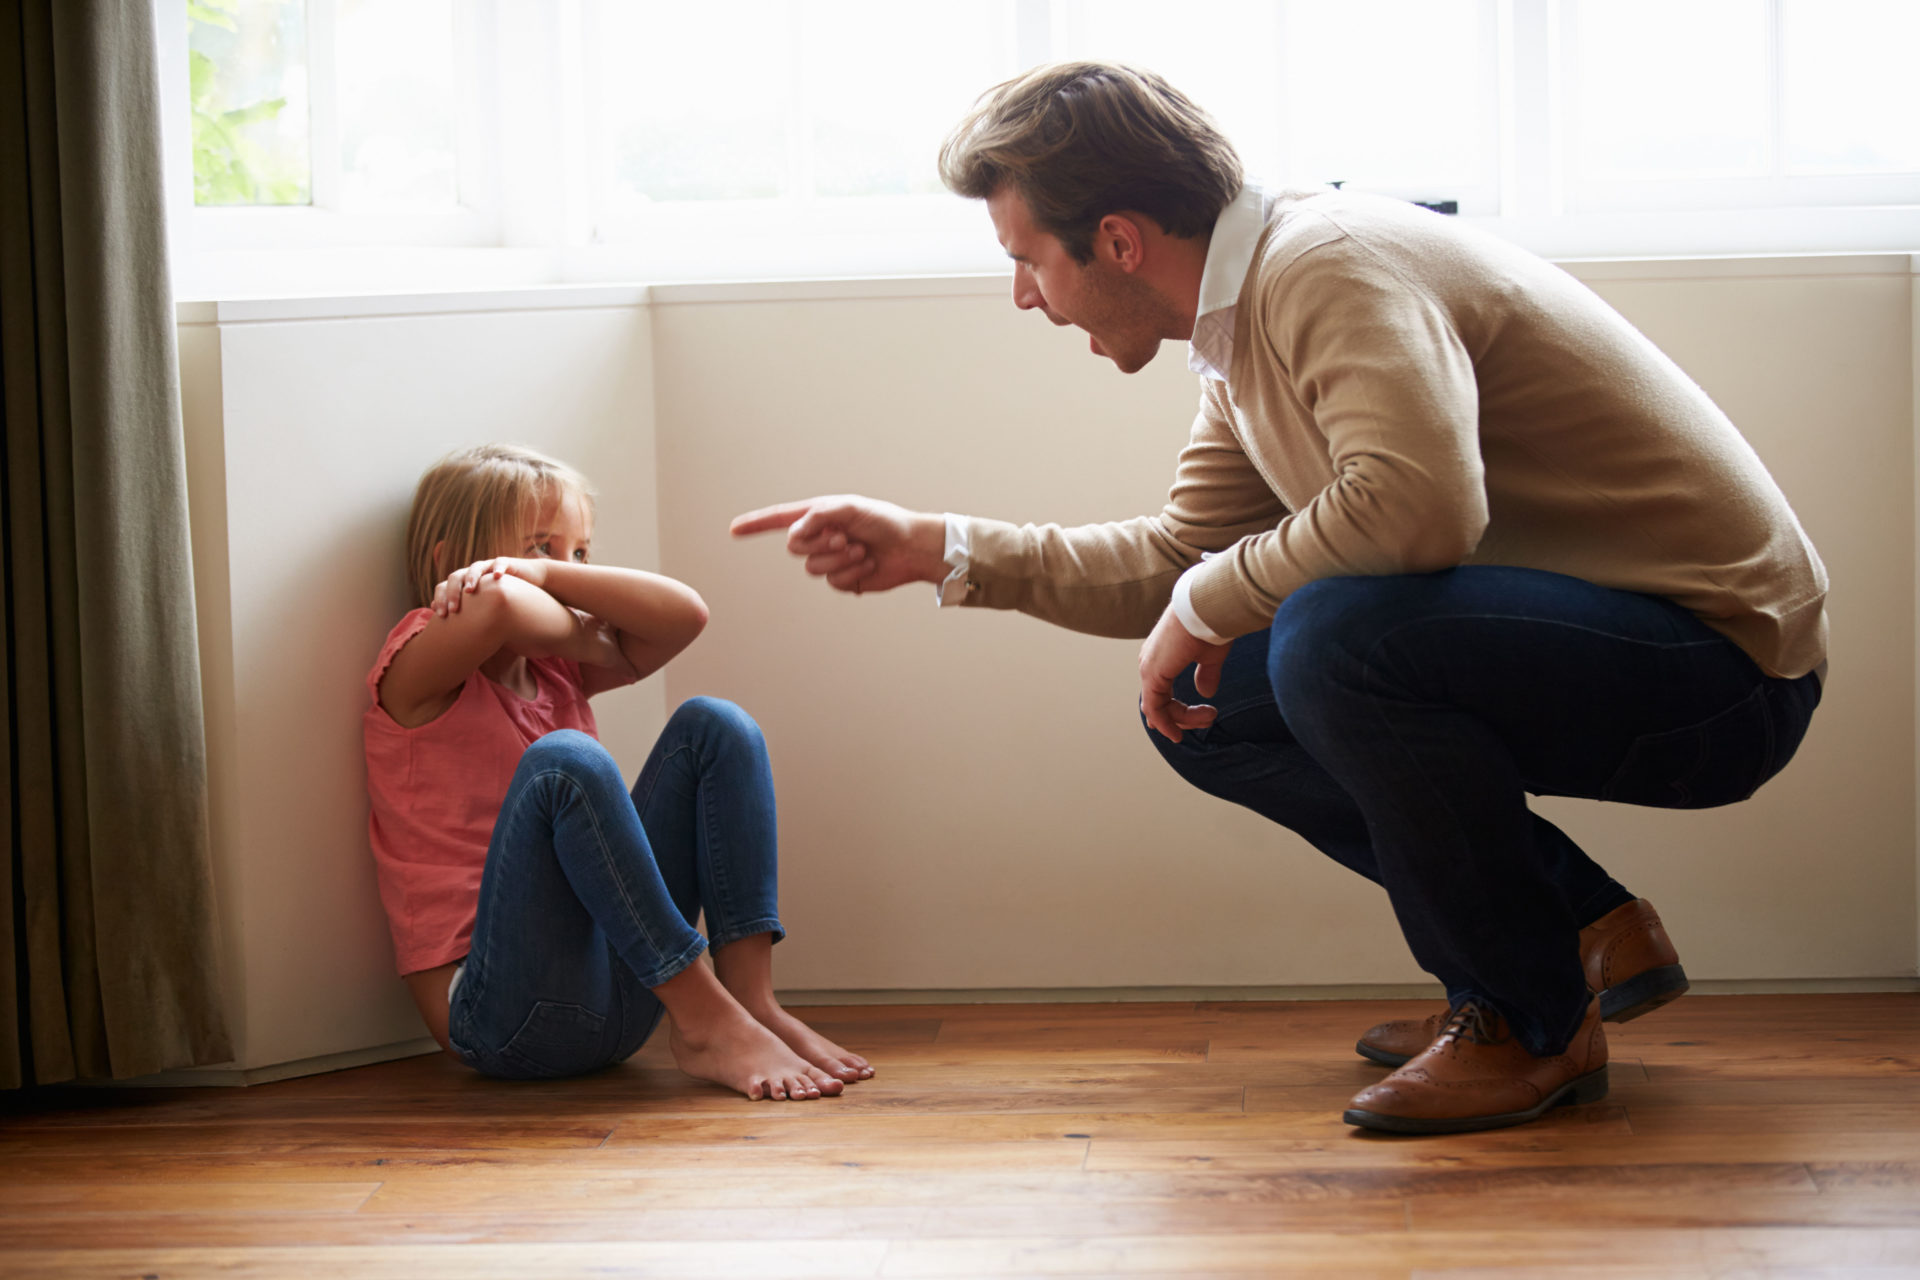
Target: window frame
[472,221]
[541,206]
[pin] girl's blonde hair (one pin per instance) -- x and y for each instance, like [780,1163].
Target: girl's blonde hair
[472,503]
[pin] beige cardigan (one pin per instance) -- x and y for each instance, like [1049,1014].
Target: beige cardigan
[1408,393]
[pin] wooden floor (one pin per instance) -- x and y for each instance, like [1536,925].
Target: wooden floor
[1745,1136]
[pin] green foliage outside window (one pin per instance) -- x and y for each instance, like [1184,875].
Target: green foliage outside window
[239,156]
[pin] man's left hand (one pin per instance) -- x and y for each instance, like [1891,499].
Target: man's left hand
[1170,650]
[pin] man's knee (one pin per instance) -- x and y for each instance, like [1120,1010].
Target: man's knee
[1186,757]
[1326,631]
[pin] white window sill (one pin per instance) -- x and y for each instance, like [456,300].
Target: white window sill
[332,302]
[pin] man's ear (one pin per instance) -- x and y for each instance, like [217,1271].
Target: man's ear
[1120,241]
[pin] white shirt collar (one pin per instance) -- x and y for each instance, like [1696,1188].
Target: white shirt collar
[1229,257]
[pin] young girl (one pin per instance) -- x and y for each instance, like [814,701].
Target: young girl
[542,915]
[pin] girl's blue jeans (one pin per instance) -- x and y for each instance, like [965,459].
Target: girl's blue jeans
[1399,723]
[590,893]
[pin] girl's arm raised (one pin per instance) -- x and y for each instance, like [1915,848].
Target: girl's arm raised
[656,617]
[498,610]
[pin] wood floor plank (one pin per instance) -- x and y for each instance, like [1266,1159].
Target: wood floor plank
[209,1230]
[262,1136]
[232,1194]
[1699,1206]
[1743,1136]
[1719,1251]
[672,1260]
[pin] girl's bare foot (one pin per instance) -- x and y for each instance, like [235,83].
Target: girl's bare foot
[714,1039]
[745,969]
[745,1056]
[810,1044]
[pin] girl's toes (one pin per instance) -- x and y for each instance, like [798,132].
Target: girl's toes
[826,1083]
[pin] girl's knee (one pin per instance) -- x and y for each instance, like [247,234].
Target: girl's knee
[568,751]
[723,720]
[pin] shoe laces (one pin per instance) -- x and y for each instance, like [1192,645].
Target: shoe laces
[1476,1024]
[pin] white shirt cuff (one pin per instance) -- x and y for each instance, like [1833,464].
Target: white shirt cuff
[1183,610]
[959,557]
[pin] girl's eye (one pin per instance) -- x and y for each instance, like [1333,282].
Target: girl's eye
[580,555]
[544,548]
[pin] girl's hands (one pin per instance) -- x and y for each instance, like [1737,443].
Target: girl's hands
[464,582]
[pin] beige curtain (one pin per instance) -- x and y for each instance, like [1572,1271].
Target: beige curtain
[108,945]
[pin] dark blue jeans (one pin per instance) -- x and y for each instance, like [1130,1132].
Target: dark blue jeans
[590,894]
[1399,723]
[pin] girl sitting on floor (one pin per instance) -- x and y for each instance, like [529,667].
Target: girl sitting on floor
[542,914]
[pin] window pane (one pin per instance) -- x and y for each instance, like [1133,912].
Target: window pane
[696,100]
[1233,77]
[887,81]
[249,95]
[396,95]
[1852,101]
[1670,88]
[1390,93]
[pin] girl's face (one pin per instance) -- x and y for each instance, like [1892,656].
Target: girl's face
[562,531]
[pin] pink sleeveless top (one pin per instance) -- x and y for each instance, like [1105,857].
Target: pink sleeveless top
[436,790]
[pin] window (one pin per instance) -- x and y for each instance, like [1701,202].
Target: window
[1731,104]
[640,139]
[327,122]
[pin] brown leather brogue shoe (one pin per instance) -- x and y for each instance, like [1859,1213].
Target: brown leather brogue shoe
[1475,1075]
[1629,960]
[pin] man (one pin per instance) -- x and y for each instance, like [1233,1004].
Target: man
[1447,531]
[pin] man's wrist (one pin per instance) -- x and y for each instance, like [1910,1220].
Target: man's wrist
[1189,618]
[929,547]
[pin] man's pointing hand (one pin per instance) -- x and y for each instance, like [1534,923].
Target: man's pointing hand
[857,544]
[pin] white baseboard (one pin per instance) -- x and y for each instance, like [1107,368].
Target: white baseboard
[230,1076]
[192,1077]
[1323,991]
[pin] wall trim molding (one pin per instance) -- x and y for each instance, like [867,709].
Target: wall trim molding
[568,297]
[228,1076]
[1301,992]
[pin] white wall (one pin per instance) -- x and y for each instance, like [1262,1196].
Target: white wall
[306,431]
[967,799]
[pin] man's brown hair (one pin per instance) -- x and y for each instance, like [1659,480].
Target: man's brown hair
[1081,140]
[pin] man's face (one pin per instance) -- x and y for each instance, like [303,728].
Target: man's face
[1122,315]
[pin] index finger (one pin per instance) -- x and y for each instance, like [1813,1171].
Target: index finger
[769,518]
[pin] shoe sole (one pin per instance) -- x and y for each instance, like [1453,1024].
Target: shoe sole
[1634,998]
[1643,993]
[1591,1087]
